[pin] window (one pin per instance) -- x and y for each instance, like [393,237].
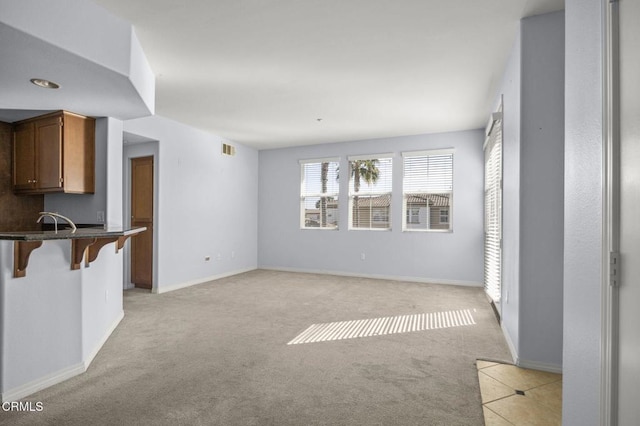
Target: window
[428,190]
[370,192]
[319,194]
[413,215]
[493,209]
[444,215]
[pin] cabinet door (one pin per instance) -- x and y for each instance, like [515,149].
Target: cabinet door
[24,157]
[49,153]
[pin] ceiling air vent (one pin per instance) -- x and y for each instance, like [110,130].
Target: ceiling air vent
[228,149]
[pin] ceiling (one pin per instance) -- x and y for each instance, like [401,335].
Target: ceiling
[276,73]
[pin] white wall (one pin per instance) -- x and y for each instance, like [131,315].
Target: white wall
[583,213]
[101,300]
[55,320]
[90,32]
[207,204]
[41,316]
[455,257]
[113,173]
[77,17]
[102,295]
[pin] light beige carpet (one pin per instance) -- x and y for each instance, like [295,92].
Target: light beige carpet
[217,354]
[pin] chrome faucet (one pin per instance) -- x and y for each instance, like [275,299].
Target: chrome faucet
[55,217]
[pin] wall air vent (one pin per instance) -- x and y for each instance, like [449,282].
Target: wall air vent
[228,149]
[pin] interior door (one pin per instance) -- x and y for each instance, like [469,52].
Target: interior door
[629,290]
[142,215]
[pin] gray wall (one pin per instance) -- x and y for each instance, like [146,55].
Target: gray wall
[532,292]
[510,304]
[583,213]
[207,204]
[542,190]
[455,257]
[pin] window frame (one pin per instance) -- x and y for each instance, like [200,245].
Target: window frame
[446,215]
[370,194]
[304,195]
[412,215]
[406,194]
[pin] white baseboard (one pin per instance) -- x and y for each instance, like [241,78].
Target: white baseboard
[43,382]
[534,365]
[512,348]
[376,276]
[89,358]
[166,289]
[60,375]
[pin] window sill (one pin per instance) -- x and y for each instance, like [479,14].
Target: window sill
[437,231]
[319,229]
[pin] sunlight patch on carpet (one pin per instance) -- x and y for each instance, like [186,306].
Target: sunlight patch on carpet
[382,326]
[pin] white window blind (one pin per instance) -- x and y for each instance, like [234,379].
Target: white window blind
[370,186]
[319,194]
[428,190]
[493,211]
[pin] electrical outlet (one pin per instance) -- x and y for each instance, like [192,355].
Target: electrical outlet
[219,256]
[362,256]
[106,295]
[233,254]
[100,216]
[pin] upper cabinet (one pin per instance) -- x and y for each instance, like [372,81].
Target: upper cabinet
[54,153]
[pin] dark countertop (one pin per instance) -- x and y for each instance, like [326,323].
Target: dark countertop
[66,234]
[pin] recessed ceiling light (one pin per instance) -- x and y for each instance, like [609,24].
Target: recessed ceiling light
[41,82]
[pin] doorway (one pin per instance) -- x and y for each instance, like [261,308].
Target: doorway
[142,215]
[493,211]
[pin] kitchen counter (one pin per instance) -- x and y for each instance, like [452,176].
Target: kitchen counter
[66,234]
[85,244]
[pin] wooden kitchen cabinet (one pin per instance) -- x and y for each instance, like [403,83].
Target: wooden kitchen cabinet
[54,153]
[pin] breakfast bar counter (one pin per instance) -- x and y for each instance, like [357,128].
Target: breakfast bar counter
[67,234]
[85,243]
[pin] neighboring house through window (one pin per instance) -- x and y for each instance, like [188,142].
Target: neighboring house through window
[319,194]
[370,179]
[428,190]
[444,215]
[413,215]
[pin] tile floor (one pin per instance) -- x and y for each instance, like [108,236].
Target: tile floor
[518,396]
